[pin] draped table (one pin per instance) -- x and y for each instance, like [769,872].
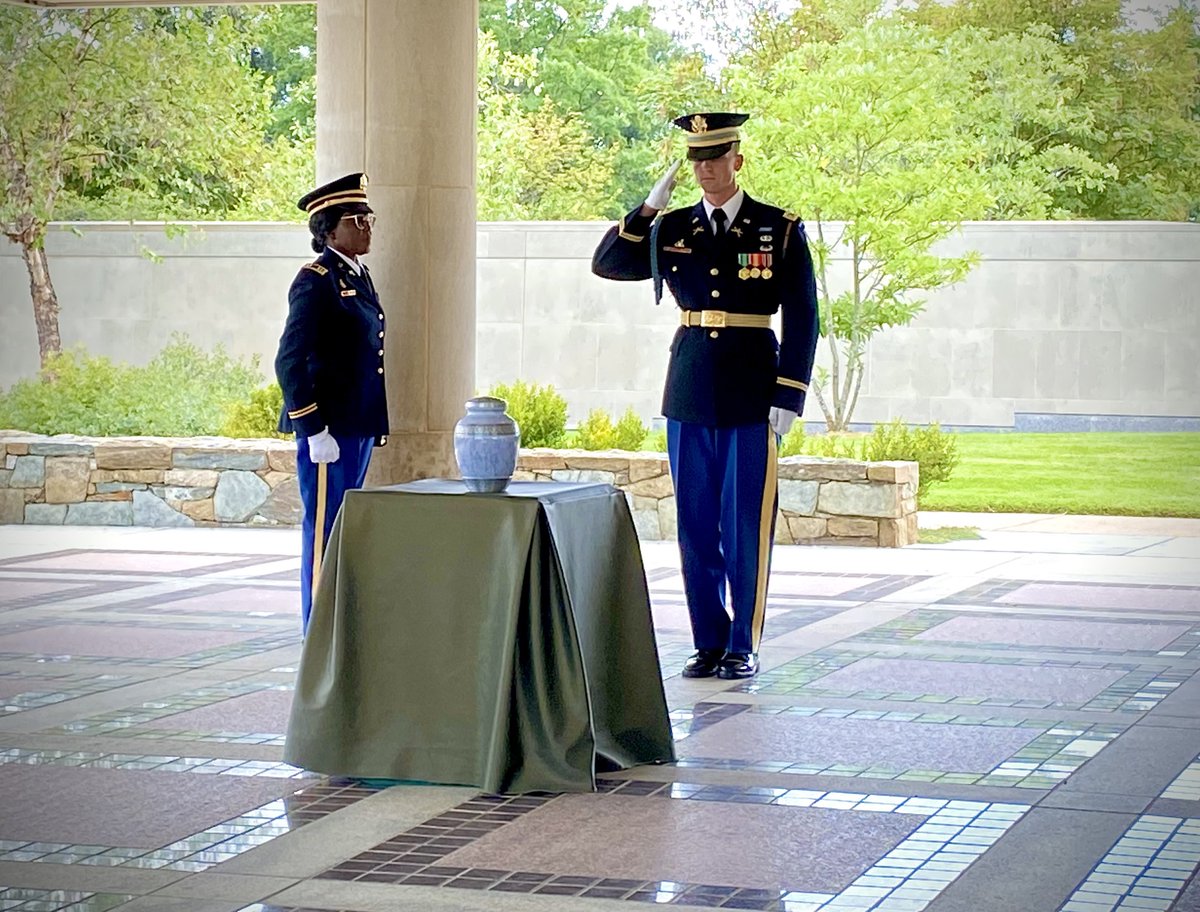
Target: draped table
[496,640]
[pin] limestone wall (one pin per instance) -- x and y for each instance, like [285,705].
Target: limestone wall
[1063,326]
[148,481]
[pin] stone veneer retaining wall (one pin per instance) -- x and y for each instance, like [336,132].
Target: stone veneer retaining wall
[148,481]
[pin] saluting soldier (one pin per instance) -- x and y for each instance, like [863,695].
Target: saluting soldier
[732,388]
[330,365]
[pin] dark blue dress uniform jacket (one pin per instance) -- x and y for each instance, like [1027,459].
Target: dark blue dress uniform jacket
[330,360]
[732,376]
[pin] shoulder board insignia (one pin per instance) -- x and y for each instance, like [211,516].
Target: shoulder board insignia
[791,216]
[317,268]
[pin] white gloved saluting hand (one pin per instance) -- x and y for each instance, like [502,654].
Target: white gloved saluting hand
[660,195]
[781,420]
[323,447]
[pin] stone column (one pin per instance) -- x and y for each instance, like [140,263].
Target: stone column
[396,99]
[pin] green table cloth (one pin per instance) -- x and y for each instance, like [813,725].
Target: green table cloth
[496,640]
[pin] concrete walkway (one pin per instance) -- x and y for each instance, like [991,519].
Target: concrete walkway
[1007,724]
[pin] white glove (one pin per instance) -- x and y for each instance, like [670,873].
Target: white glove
[323,447]
[781,419]
[660,195]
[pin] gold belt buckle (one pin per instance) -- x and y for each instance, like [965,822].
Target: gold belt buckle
[714,319]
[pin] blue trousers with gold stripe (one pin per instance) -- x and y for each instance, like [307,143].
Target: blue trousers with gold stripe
[726,493]
[322,487]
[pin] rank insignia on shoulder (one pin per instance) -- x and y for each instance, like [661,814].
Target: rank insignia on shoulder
[791,216]
[317,268]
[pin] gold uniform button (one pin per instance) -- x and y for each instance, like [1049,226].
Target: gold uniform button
[674,269]
[713,334]
[714,271]
[379,370]
[381,334]
[381,316]
[381,352]
[716,294]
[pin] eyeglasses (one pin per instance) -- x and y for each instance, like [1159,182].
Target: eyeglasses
[362,220]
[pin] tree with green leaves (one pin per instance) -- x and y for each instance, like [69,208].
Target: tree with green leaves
[532,164]
[619,74]
[885,140]
[1139,83]
[118,113]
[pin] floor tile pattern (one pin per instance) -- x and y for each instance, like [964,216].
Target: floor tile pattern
[1186,786]
[219,599]
[1096,685]
[149,563]
[1049,751]
[1146,870]
[164,647]
[209,847]
[137,722]
[1133,597]
[949,836]
[1123,637]
[17,592]
[21,691]
[209,765]
[948,705]
[20,899]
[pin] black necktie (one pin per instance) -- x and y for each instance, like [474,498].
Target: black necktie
[719,221]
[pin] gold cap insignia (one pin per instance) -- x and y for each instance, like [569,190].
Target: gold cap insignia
[362,182]
[699,124]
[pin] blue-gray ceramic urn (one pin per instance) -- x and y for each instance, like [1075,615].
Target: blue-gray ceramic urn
[486,441]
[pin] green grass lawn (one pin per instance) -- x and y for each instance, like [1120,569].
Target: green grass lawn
[1101,473]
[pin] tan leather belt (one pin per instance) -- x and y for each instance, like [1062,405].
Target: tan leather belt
[720,319]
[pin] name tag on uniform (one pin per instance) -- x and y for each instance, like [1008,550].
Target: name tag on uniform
[349,293]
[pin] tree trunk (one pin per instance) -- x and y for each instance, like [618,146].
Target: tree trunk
[45,301]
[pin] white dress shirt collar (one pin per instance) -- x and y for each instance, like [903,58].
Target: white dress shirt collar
[354,263]
[730,207]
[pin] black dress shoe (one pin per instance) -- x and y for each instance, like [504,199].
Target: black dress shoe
[703,663]
[738,665]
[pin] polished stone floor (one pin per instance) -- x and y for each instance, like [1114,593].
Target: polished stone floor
[1007,724]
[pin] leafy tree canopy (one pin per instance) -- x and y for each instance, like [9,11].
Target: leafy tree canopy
[885,137]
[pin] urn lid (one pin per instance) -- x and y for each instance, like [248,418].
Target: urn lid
[486,403]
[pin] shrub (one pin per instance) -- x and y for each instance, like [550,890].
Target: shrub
[935,451]
[596,432]
[183,392]
[655,442]
[629,432]
[834,446]
[540,412]
[257,416]
[792,443]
